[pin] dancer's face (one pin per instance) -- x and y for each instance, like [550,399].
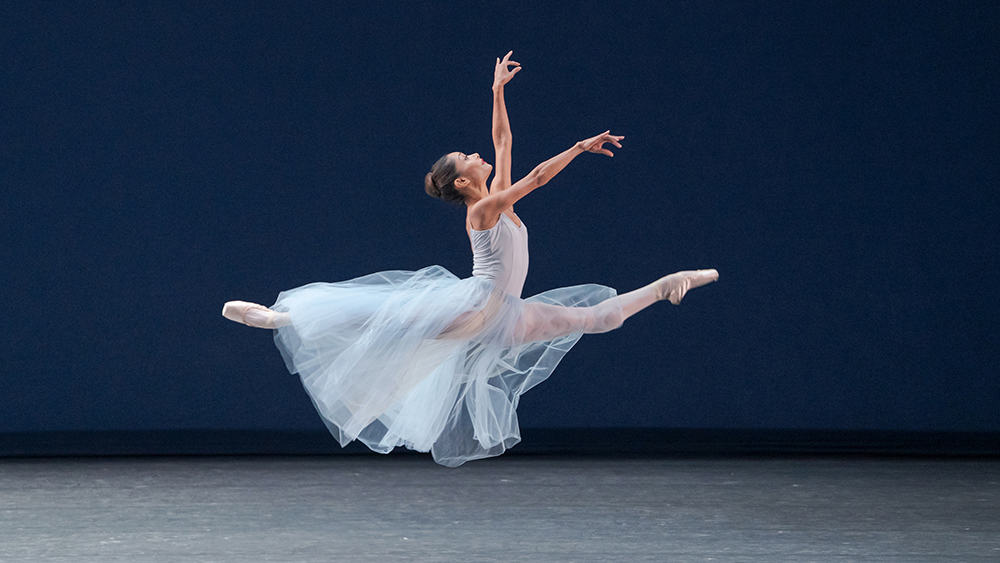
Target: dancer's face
[471,166]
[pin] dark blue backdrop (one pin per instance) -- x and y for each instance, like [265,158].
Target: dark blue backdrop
[836,162]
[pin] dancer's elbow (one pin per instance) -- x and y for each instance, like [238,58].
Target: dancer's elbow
[538,177]
[501,137]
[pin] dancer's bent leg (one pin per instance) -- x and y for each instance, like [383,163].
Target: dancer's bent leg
[472,323]
[252,314]
[546,322]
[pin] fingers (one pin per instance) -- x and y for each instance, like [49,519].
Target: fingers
[613,139]
[506,60]
[597,144]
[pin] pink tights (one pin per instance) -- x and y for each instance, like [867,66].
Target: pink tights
[546,322]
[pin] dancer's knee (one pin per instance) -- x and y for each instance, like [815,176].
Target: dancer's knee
[604,317]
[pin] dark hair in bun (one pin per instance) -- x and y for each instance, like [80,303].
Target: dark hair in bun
[440,181]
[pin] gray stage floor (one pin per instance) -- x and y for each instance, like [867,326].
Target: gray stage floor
[514,508]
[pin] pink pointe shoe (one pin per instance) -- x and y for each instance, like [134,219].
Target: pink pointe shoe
[676,285]
[252,314]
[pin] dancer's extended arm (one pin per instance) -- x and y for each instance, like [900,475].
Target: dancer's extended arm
[501,126]
[493,205]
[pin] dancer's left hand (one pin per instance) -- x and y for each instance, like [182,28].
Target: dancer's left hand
[501,74]
[596,144]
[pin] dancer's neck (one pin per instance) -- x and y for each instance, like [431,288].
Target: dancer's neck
[475,194]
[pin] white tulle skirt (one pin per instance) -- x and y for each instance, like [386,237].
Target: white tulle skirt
[426,360]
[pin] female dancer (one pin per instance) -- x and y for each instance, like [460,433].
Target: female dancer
[436,363]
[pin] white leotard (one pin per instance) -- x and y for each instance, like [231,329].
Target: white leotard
[500,254]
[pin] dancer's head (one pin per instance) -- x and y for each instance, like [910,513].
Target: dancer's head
[454,175]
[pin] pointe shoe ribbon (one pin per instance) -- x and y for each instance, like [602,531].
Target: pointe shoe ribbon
[676,285]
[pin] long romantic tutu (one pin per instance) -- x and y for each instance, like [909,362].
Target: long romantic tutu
[426,360]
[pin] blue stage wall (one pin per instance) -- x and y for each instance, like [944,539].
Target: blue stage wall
[835,161]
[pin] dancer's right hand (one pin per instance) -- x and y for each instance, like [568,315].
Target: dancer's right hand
[596,144]
[501,75]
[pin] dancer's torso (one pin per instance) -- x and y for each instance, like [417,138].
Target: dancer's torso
[500,253]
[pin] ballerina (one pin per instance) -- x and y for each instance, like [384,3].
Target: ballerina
[426,360]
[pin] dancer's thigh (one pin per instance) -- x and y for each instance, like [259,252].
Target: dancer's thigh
[543,321]
[471,323]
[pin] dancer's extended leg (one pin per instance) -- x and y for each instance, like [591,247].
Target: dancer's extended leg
[546,322]
[252,314]
[542,321]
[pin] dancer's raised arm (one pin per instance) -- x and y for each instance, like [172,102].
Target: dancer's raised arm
[493,205]
[501,126]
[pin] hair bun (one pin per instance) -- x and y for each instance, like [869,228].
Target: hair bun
[430,187]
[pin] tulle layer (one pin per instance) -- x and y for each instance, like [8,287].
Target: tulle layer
[426,360]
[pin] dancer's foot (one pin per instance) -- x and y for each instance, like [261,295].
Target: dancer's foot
[252,314]
[674,286]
